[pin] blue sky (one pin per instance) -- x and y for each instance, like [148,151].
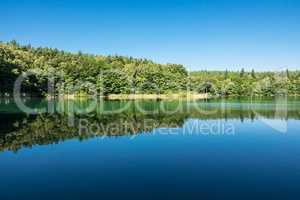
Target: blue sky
[202,34]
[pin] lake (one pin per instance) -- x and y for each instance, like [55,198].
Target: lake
[208,149]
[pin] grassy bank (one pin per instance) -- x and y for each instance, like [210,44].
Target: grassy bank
[175,96]
[188,96]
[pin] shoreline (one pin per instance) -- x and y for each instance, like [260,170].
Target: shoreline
[156,96]
[175,96]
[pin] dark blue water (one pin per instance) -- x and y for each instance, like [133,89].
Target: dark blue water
[257,157]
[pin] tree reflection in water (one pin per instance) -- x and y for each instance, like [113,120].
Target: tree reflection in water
[19,130]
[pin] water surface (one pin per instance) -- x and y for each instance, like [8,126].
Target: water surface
[217,149]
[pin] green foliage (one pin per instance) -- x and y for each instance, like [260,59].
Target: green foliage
[246,83]
[79,73]
[76,73]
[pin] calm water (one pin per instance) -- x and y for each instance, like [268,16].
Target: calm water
[218,149]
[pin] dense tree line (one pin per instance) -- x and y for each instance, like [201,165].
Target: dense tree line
[79,73]
[242,83]
[75,73]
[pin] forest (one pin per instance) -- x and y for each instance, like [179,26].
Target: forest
[84,74]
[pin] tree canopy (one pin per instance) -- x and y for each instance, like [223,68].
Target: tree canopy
[78,73]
